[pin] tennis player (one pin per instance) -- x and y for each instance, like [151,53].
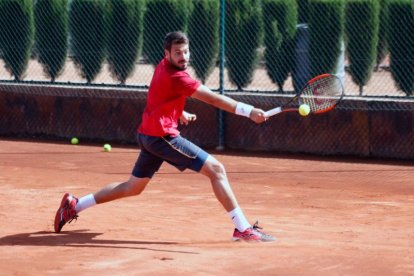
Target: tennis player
[160,140]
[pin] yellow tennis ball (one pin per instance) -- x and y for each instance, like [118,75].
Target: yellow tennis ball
[74,141]
[107,147]
[304,109]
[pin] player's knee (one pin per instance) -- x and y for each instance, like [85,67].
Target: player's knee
[213,169]
[218,170]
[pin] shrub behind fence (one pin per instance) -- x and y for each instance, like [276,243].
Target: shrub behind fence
[257,49]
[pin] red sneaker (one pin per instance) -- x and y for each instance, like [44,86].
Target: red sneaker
[252,234]
[66,212]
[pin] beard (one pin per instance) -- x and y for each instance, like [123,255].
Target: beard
[180,66]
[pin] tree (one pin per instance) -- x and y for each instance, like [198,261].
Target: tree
[401,41]
[87,22]
[162,17]
[280,20]
[16,35]
[244,35]
[303,10]
[51,21]
[203,32]
[326,25]
[125,36]
[361,28]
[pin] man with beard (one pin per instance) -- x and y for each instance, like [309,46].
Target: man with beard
[160,141]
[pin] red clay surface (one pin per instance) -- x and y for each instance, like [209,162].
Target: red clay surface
[331,216]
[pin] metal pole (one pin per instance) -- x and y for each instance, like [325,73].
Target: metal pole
[221,69]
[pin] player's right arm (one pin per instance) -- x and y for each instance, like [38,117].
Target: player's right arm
[204,94]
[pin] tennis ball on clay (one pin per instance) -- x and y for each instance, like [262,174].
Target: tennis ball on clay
[304,109]
[74,141]
[107,147]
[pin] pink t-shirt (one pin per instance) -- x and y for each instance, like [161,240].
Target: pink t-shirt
[167,93]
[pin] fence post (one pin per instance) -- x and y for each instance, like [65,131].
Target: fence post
[220,112]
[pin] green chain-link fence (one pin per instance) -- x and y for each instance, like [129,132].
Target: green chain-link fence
[262,46]
[267,43]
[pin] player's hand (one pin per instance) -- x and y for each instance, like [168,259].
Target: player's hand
[187,117]
[258,116]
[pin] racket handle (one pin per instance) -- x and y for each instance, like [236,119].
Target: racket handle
[273,111]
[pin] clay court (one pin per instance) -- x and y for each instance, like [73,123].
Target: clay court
[331,216]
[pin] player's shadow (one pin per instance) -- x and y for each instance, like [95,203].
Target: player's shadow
[81,238]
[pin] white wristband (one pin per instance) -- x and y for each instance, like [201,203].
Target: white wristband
[244,109]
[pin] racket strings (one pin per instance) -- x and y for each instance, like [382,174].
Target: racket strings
[322,94]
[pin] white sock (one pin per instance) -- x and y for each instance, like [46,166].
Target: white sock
[85,202]
[239,220]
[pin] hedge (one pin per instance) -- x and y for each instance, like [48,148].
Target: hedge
[162,17]
[51,22]
[401,41]
[326,27]
[280,20]
[125,36]
[16,35]
[362,23]
[203,32]
[88,32]
[243,37]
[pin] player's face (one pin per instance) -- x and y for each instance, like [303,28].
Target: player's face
[179,55]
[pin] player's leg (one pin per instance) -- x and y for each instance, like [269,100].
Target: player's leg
[134,186]
[183,154]
[71,206]
[145,167]
[216,172]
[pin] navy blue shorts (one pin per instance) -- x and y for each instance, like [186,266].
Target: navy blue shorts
[177,151]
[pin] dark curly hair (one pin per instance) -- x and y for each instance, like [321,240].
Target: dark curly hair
[174,38]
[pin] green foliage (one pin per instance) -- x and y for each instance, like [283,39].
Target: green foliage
[401,41]
[244,32]
[303,10]
[280,19]
[87,22]
[361,28]
[382,48]
[126,24]
[326,25]
[16,35]
[203,32]
[51,21]
[162,17]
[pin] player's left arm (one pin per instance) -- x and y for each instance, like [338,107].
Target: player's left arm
[203,93]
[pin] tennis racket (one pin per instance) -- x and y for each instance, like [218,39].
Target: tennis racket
[321,94]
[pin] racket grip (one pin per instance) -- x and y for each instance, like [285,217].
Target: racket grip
[273,111]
